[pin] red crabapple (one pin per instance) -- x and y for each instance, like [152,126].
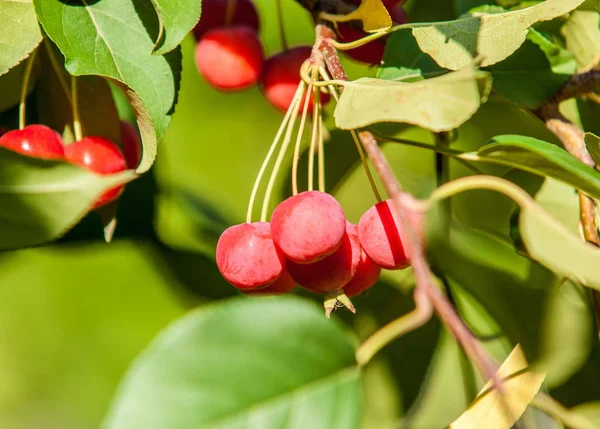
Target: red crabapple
[281,286]
[230,58]
[247,257]
[308,226]
[379,231]
[333,272]
[132,145]
[37,141]
[281,76]
[366,276]
[101,156]
[214,15]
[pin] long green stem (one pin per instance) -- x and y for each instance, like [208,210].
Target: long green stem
[26,78]
[58,70]
[321,150]
[281,24]
[75,102]
[296,158]
[230,12]
[313,141]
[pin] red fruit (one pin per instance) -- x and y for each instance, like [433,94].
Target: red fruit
[132,145]
[398,15]
[281,76]
[101,156]
[380,234]
[366,276]
[308,226]
[230,58]
[281,286]
[371,53]
[214,15]
[38,141]
[334,271]
[247,257]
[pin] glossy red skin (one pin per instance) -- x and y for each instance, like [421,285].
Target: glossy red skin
[101,156]
[281,286]
[132,145]
[230,58]
[308,226]
[380,234]
[372,52]
[366,276]
[281,76]
[37,141]
[247,257]
[214,11]
[333,272]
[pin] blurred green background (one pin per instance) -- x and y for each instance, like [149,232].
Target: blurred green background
[75,313]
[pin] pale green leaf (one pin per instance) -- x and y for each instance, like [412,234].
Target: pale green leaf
[592,143]
[177,18]
[40,200]
[494,37]
[582,36]
[115,38]
[20,32]
[438,104]
[244,363]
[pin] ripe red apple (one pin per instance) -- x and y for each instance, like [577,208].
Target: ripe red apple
[214,15]
[37,141]
[284,284]
[101,156]
[308,226]
[132,145]
[247,257]
[230,58]
[281,76]
[333,272]
[367,274]
[380,234]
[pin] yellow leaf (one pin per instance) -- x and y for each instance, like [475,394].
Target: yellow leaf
[489,411]
[372,13]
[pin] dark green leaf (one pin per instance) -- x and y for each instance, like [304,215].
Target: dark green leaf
[41,199]
[114,38]
[177,18]
[184,379]
[20,32]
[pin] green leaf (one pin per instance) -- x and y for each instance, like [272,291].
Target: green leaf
[404,60]
[20,33]
[42,199]
[534,72]
[177,18]
[494,37]
[228,366]
[438,104]
[582,37]
[114,38]
[592,143]
[541,158]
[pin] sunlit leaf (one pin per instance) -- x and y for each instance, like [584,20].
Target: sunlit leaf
[20,32]
[177,18]
[184,379]
[454,44]
[438,104]
[490,410]
[372,13]
[582,36]
[592,143]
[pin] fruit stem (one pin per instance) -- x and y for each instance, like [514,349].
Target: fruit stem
[281,24]
[335,300]
[321,150]
[75,103]
[299,137]
[313,138]
[25,86]
[230,12]
[263,167]
[294,108]
[57,69]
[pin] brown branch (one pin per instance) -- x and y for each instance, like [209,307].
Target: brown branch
[577,86]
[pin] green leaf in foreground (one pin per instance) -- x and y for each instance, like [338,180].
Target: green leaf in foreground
[244,363]
[582,36]
[115,38]
[177,18]
[20,32]
[538,157]
[438,104]
[40,200]
[454,44]
[592,143]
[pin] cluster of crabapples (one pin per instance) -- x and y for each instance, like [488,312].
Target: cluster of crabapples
[94,153]
[230,55]
[310,243]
